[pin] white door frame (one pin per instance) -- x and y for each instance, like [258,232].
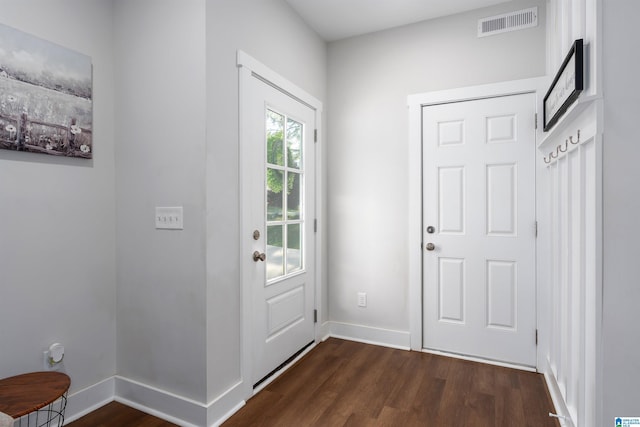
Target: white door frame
[250,68]
[415,103]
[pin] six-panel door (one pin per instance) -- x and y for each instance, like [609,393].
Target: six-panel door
[479,195]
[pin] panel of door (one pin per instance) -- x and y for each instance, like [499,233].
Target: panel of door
[278,223]
[479,294]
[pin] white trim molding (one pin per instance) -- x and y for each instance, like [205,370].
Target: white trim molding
[416,103]
[274,79]
[225,405]
[369,335]
[251,68]
[89,399]
[152,400]
[160,403]
[556,395]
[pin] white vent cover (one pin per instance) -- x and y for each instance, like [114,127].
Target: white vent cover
[511,21]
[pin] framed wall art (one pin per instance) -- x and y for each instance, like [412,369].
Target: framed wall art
[566,86]
[46,100]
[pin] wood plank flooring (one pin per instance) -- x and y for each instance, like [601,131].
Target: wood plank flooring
[343,383]
[116,414]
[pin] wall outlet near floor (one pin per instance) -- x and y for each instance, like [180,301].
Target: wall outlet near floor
[362,299]
[53,357]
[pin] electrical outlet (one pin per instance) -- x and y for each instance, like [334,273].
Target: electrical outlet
[53,357]
[362,299]
[170,218]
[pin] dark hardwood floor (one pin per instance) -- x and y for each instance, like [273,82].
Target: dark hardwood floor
[116,414]
[343,383]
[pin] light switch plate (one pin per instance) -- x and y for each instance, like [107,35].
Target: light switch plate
[169,218]
[362,299]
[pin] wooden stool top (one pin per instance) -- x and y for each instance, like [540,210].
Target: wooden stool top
[23,394]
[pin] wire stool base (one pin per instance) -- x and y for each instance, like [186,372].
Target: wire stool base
[51,415]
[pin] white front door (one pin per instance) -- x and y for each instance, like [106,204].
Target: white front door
[278,230]
[479,294]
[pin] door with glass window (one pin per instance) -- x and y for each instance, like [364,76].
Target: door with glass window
[278,226]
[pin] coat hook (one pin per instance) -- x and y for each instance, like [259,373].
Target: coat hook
[566,147]
[552,156]
[571,138]
[547,161]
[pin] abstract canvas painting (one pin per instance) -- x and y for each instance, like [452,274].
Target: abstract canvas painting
[45,97]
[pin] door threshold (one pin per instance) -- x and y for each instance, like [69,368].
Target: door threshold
[268,379]
[481,360]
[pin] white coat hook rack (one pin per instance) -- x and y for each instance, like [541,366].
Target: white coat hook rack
[560,149]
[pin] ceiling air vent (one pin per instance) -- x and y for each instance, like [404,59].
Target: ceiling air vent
[512,21]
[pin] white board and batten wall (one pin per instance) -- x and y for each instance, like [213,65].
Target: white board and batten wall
[569,211]
[570,227]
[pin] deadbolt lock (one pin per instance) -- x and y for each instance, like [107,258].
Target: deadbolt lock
[256,235]
[431,229]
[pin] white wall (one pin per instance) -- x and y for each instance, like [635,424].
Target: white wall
[160,161]
[272,33]
[369,78]
[621,202]
[57,218]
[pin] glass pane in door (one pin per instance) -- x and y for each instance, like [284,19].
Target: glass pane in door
[294,144]
[294,196]
[275,251]
[294,245]
[275,201]
[284,182]
[275,138]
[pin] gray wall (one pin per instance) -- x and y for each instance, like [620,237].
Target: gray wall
[160,161]
[57,218]
[369,78]
[621,203]
[166,134]
[274,35]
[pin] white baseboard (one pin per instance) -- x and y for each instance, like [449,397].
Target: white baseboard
[224,406]
[369,335]
[324,331]
[178,409]
[160,403]
[556,396]
[190,413]
[228,415]
[89,399]
[151,400]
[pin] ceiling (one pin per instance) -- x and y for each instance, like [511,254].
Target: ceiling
[339,19]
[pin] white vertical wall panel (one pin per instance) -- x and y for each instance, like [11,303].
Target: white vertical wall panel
[571,357]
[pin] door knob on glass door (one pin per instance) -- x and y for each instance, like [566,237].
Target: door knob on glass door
[430,246]
[257,256]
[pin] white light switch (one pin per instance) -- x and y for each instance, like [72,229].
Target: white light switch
[362,299]
[169,218]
